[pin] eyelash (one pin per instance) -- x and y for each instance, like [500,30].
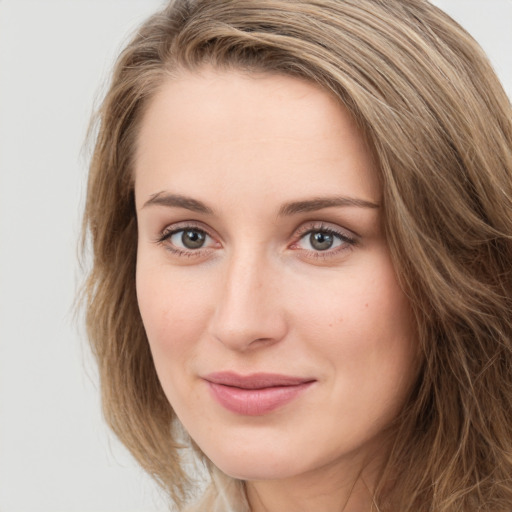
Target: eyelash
[167,233]
[347,241]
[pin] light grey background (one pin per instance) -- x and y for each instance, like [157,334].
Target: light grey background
[55,452]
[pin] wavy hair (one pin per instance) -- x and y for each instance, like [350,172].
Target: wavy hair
[440,127]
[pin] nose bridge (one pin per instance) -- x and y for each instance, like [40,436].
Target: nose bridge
[248,308]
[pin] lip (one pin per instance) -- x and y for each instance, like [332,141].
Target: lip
[255,394]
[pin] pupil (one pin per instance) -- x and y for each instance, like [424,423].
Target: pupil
[193,239]
[321,241]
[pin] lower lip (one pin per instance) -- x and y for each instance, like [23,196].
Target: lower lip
[255,402]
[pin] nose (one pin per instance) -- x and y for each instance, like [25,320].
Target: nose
[250,311]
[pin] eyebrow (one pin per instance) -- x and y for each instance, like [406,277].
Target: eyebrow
[178,201]
[319,203]
[291,208]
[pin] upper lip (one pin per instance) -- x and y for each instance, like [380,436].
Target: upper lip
[255,380]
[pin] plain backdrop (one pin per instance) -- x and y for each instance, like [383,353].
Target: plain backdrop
[56,454]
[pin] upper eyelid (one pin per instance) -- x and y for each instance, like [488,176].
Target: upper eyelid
[308,227]
[187,224]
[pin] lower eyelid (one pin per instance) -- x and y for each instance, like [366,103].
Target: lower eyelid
[184,252]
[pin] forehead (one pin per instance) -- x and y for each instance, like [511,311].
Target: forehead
[219,130]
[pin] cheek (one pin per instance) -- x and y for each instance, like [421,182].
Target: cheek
[383,346]
[173,313]
[361,323]
[359,305]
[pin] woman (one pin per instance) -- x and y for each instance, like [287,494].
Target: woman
[301,220]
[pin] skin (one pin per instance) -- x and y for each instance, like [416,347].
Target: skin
[258,296]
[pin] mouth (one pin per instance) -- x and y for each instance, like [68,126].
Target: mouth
[256,394]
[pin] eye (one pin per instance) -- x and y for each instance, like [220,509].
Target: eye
[323,241]
[186,240]
[189,238]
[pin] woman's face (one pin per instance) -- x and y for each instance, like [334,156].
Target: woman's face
[278,330]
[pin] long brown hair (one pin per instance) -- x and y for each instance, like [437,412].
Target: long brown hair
[440,126]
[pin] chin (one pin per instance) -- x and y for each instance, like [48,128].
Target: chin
[255,471]
[259,464]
